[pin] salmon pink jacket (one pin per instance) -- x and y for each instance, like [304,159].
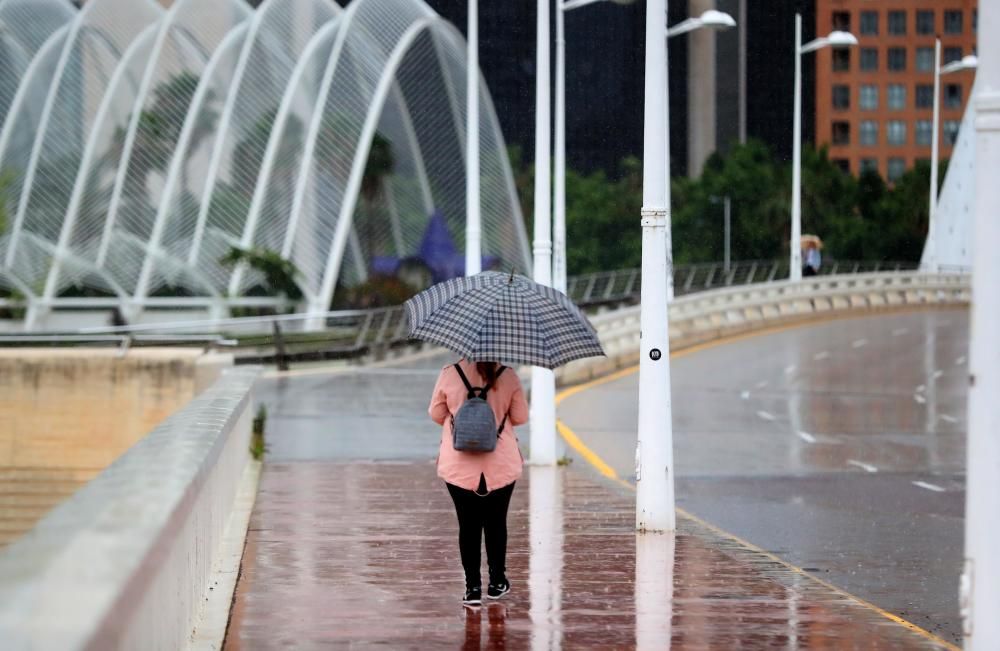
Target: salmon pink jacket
[500,467]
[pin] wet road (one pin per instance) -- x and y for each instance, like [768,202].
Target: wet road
[839,447]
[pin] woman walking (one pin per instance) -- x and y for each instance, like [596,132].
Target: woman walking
[480,483]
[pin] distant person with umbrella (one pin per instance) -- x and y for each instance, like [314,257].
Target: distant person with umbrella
[489,318]
[812,244]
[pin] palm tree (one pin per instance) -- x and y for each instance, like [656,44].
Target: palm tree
[280,275]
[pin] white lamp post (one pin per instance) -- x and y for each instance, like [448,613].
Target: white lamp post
[543,383]
[980,595]
[711,19]
[968,62]
[559,181]
[473,216]
[654,503]
[836,39]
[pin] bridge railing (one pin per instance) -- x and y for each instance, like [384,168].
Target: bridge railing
[352,333]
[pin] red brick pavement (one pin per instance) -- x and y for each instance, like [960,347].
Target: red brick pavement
[365,555]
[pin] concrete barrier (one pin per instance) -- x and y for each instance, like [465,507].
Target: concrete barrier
[67,413]
[713,314]
[125,562]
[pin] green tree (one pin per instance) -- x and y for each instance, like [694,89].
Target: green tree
[280,276]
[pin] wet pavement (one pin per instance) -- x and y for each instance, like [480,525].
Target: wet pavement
[365,555]
[838,446]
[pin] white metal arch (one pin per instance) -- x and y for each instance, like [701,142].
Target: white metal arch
[177,162]
[345,217]
[74,31]
[83,173]
[273,144]
[225,120]
[311,136]
[165,24]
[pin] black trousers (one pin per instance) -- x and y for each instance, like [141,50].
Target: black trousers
[478,514]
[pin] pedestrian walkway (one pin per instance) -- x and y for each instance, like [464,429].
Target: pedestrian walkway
[365,555]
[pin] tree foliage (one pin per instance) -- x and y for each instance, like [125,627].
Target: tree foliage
[280,275]
[857,218]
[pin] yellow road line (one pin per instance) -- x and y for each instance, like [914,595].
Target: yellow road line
[606,470]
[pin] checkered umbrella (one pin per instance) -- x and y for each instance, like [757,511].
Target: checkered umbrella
[494,316]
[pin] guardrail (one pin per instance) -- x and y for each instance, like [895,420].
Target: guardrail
[353,333]
[125,562]
[709,315]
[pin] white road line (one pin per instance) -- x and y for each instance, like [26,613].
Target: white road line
[920,388]
[765,415]
[790,369]
[807,437]
[745,395]
[867,467]
[859,343]
[919,398]
[930,487]
[959,361]
[948,419]
[898,332]
[821,355]
[762,384]
[937,374]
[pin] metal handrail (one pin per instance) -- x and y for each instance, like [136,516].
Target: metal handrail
[354,332]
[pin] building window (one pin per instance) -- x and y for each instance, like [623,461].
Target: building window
[925,22]
[869,165]
[869,23]
[925,96]
[841,97]
[953,96]
[869,58]
[868,97]
[952,54]
[896,132]
[897,166]
[951,132]
[897,23]
[923,132]
[975,21]
[842,20]
[925,59]
[897,58]
[868,134]
[841,59]
[841,133]
[953,22]
[896,97]
[843,164]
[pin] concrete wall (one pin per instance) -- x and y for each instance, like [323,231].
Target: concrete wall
[125,562]
[66,414]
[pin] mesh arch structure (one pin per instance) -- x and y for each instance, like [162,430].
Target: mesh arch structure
[139,144]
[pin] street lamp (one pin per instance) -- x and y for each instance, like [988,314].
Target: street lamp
[836,39]
[559,181]
[473,215]
[726,206]
[968,62]
[711,19]
[543,382]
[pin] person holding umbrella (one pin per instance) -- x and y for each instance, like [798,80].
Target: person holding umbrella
[488,318]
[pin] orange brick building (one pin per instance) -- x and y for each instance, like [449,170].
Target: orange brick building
[874,101]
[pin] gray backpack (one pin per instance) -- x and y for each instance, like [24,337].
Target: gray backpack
[474,427]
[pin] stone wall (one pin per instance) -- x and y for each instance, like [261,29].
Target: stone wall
[66,414]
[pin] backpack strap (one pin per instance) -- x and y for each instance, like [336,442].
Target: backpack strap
[471,389]
[465,381]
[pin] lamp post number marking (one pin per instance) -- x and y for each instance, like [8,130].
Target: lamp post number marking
[655,354]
